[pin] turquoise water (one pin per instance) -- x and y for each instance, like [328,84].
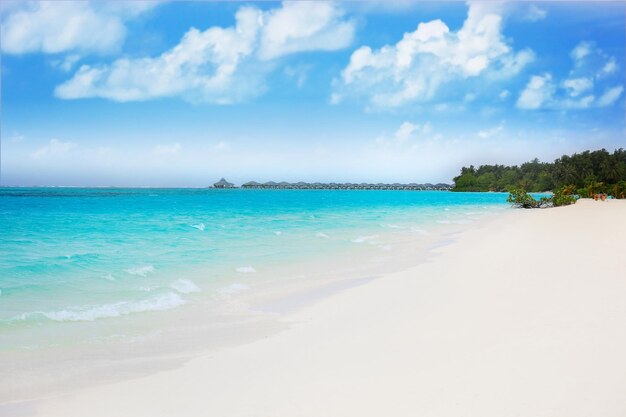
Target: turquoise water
[72,255]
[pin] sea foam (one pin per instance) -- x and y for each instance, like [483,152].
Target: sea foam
[141,270]
[199,226]
[93,312]
[363,239]
[185,286]
[245,269]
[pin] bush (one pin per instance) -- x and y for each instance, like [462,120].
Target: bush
[618,190]
[563,197]
[583,193]
[521,199]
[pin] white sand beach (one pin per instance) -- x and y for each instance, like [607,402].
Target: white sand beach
[524,315]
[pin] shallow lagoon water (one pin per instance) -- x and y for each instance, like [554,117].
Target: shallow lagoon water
[107,256]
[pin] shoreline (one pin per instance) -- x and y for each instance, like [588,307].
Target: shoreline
[173,337]
[519,316]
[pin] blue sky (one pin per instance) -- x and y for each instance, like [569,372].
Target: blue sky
[182,93]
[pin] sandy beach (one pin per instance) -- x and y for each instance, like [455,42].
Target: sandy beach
[523,315]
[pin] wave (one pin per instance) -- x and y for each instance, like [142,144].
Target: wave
[141,270]
[199,226]
[184,286]
[322,235]
[278,233]
[93,312]
[245,269]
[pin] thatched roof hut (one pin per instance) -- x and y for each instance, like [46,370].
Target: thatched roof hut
[222,183]
[250,184]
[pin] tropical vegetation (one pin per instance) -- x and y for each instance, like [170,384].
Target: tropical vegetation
[583,174]
[521,199]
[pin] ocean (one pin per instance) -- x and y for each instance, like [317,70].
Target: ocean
[87,265]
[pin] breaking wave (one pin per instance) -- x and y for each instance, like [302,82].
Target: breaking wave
[93,312]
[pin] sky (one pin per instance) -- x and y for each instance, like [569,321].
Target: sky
[183,93]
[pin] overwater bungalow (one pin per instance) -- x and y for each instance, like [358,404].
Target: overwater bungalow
[222,183]
[250,184]
[301,185]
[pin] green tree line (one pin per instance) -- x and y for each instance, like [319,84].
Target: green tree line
[585,173]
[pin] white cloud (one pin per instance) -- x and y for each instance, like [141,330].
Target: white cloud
[408,132]
[609,68]
[304,26]
[581,50]
[217,65]
[54,148]
[535,13]
[422,61]
[405,131]
[541,92]
[576,86]
[592,70]
[62,26]
[538,91]
[487,133]
[581,103]
[504,94]
[610,96]
[203,64]
[167,150]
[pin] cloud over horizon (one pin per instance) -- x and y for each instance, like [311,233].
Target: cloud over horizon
[218,65]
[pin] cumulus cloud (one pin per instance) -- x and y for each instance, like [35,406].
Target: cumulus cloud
[592,70]
[539,90]
[422,61]
[54,148]
[581,50]
[217,65]
[304,26]
[577,86]
[64,26]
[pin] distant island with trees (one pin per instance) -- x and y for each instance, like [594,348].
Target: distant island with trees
[584,174]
